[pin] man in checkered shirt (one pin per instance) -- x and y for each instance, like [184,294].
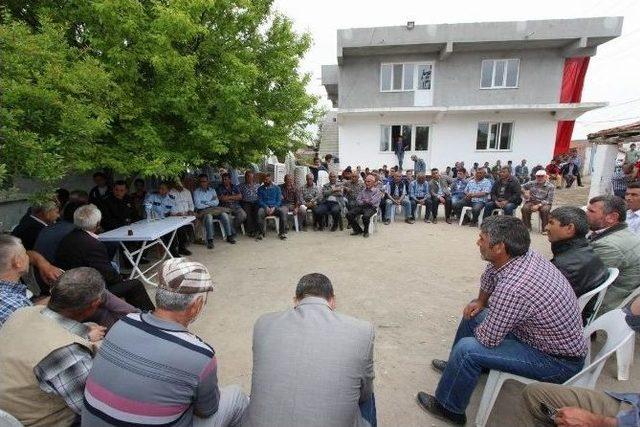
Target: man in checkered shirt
[525,321]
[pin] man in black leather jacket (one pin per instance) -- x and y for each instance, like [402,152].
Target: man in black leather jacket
[572,254]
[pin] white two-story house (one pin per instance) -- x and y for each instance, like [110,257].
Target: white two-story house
[473,92]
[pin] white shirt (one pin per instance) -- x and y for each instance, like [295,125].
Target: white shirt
[183,201]
[633,221]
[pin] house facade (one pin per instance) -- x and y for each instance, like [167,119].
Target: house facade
[474,92]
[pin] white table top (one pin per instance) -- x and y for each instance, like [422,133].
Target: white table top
[146,230]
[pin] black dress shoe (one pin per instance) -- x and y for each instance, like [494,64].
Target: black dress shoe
[431,405]
[356,233]
[365,234]
[184,251]
[439,365]
[334,227]
[231,240]
[210,244]
[282,236]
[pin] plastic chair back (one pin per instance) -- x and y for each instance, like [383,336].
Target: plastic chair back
[601,290]
[8,420]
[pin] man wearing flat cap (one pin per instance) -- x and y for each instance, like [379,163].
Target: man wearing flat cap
[151,370]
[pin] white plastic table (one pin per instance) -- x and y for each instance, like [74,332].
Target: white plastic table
[149,233]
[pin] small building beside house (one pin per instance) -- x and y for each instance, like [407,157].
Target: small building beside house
[474,92]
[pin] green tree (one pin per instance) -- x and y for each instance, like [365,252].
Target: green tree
[149,86]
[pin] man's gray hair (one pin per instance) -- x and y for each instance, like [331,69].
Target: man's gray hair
[173,301]
[610,204]
[76,289]
[566,215]
[10,246]
[508,230]
[42,207]
[87,217]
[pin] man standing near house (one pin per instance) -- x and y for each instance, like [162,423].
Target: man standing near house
[522,172]
[577,162]
[632,156]
[399,148]
[419,165]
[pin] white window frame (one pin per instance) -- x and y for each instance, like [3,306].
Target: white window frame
[412,146]
[504,77]
[415,81]
[499,134]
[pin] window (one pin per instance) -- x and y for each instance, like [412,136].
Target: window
[405,77]
[389,134]
[494,136]
[499,73]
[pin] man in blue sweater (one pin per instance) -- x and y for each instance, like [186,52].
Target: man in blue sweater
[270,200]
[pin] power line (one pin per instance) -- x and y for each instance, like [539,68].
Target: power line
[608,121]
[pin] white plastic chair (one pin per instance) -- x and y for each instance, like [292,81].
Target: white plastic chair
[215,221]
[624,355]
[395,210]
[8,420]
[601,290]
[468,210]
[276,222]
[618,336]
[295,221]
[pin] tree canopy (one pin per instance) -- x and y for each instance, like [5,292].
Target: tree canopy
[148,86]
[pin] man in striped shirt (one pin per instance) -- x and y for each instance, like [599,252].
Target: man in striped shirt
[151,370]
[525,321]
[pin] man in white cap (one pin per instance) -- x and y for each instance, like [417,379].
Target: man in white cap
[151,370]
[538,197]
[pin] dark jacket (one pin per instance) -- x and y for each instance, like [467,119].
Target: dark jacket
[80,249]
[403,190]
[117,212]
[433,188]
[27,231]
[512,191]
[582,267]
[50,237]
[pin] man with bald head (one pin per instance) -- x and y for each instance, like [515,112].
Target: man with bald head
[332,193]
[367,205]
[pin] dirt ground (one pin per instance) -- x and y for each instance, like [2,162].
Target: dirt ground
[411,281]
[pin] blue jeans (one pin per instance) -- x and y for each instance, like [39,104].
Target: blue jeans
[400,157]
[224,220]
[368,411]
[468,358]
[406,207]
[508,208]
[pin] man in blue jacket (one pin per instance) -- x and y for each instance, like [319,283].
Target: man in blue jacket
[270,200]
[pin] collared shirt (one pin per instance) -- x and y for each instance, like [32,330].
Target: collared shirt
[249,192]
[419,191]
[234,190]
[369,197]
[328,191]
[12,297]
[419,166]
[183,201]
[540,193]
[354,188]
[457,187]
[269,196]
[203,199]
[311,193]
[161,205]
[474,186]
[64,371]
[531,299]
[439,190]
[633,221]
[632,156]
[522,170]
[619,180]
[291,195]
[630,417]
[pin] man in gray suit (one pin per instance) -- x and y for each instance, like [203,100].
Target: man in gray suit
[312,367]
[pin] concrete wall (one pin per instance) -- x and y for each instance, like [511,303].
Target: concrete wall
[451,140]
[456,80]
[329,135]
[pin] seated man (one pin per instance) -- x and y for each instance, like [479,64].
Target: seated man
[118,208]
[182,206]
[40,216]
[151,370]
[161,205]
[206,202]
[81,248]
[505,194]
[100,191]
[553,172]
[332,193]
[538,197]
[615,245]
[569,172]
[230,198]
[632,197]
[368,201]
[458,185]
[311,198]
[330,382]
[420,196]
[352,188]
[138,196]
[398,196]
[47,353]
[476,194]
[525,321]
[270,201]
[572,254]
[582,407]
[440,194]
[249,203]
[14,262]
[292,199]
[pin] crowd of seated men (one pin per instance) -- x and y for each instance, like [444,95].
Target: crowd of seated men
[85,346]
